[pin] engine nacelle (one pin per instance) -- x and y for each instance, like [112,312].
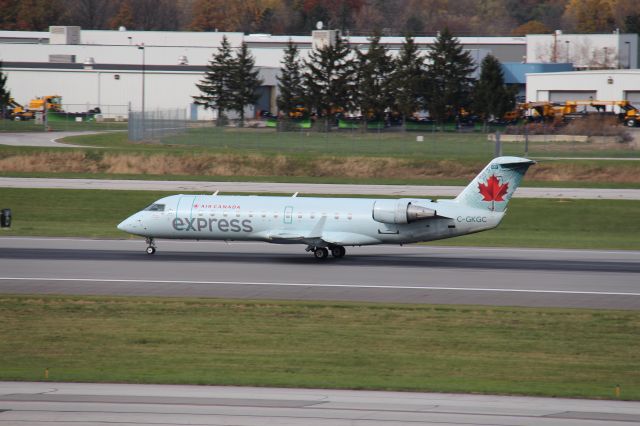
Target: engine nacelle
[399,211]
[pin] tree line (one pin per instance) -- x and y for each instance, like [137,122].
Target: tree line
[358,17]
[336,79]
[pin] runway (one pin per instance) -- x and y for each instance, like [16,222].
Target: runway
[409,274]
[38,404]
[307,188]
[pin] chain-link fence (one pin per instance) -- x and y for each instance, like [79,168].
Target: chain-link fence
[86,117]
[269,136]
[157,124]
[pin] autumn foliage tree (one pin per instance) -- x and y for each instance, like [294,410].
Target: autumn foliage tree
[124,16]
[589,16]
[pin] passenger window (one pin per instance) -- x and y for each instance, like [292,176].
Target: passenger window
[155,208]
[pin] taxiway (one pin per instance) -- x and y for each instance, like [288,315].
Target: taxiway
[38,404]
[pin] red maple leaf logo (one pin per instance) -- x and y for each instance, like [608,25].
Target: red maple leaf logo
[493,190]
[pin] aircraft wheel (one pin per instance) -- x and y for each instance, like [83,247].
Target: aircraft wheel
[338,251]
[321,253]
[151,250]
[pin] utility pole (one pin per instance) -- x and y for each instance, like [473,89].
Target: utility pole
[141,47]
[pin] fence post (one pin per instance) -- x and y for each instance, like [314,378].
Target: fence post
[498,148]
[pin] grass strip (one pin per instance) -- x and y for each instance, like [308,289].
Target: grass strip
[528,351]
[438,145]
[549,223]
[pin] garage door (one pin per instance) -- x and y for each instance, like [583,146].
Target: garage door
[632,96]
[573,95]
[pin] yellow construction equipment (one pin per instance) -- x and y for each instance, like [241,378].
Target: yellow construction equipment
[52,103]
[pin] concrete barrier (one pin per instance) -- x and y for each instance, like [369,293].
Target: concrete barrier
[540,138]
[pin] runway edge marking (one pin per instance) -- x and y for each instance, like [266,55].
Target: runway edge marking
[366,286]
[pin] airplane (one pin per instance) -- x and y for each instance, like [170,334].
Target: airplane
[330,224]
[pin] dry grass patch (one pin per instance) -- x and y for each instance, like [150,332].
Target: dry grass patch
[355,167]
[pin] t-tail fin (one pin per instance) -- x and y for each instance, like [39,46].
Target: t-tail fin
[495,184]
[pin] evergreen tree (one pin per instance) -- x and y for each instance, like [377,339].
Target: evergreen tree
[448,84]
[214,87]
[492,98]
[632,23]
[408,79]
[243,82]
[328,80]
[5,94]
[290,81]
[373,94]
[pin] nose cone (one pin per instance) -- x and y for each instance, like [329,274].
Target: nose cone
[129,225]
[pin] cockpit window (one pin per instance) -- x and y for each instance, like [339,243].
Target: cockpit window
[155,208]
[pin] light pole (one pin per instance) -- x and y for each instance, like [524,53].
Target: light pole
[628,43]
[568,56]
[141,47]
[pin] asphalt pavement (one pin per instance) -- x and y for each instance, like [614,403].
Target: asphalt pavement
[306,188]
[393,274]
[47,403]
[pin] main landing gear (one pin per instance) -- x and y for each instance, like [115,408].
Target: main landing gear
[322,253]
[151,249]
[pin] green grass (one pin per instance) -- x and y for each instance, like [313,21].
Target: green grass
[11,126]
[596,224]
[7,125]
[528,351]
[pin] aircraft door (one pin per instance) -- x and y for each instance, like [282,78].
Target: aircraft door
[288,214]
[184,207]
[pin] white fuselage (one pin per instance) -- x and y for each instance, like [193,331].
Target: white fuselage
[306,220]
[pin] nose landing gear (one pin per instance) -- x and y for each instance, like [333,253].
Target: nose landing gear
[151,249]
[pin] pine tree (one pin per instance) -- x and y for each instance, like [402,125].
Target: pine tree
[290,81]
[448,83]
[492,98]
[243,82]
[328,80]
[5,94]
[214,87]
[408,79]
[373,95]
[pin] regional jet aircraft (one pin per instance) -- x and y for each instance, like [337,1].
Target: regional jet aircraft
[327,225]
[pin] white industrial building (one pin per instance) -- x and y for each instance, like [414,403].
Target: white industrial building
[95,68]
[603,85]
[111,69]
